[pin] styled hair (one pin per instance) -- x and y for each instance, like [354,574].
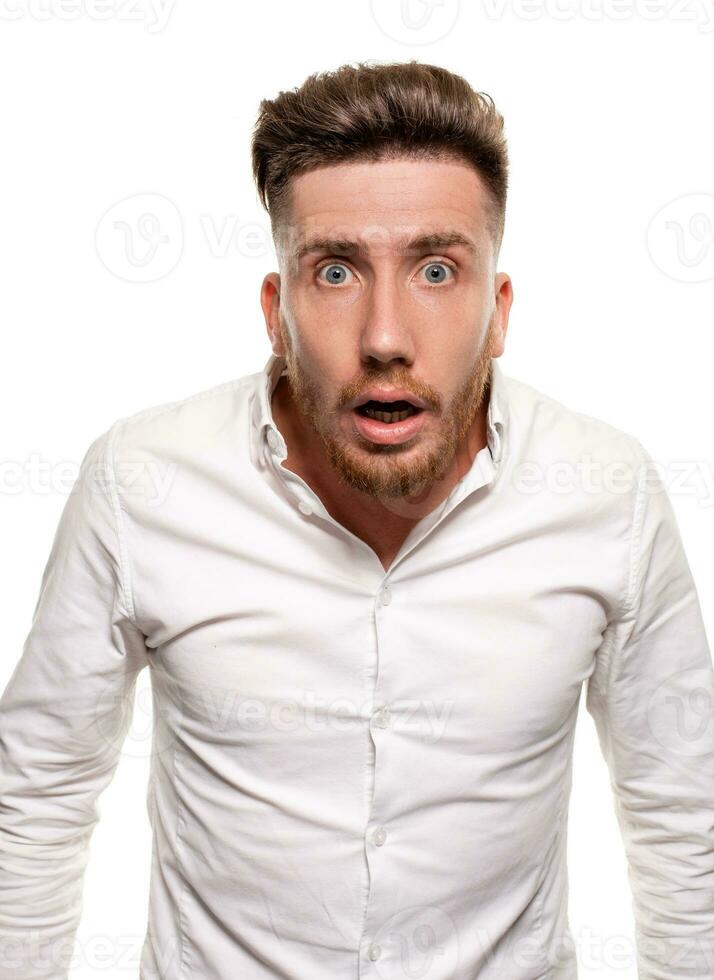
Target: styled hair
[377,112]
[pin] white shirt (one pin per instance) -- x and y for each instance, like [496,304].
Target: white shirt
[359,773]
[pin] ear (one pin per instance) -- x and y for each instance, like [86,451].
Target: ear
[503,288]
[270,302]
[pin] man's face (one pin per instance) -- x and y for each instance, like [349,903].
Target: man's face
[384,314]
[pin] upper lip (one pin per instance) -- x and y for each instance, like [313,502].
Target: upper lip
[387,395]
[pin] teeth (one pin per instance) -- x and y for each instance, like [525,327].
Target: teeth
[388,416]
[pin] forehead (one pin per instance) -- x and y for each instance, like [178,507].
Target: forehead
[386,204]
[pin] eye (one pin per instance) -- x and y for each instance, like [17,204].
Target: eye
[436,272]
[336,273]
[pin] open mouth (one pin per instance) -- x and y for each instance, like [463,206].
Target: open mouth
[388,411]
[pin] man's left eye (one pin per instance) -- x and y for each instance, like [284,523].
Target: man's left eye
[436,272]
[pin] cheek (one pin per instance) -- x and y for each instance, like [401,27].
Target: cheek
[324,345]
[323,365]
[446,357]
[462,300]
[321,301]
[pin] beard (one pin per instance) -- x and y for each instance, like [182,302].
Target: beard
[391,472]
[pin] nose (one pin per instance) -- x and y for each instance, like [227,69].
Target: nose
[386,333]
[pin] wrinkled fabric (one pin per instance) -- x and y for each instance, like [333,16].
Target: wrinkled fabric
[360,773]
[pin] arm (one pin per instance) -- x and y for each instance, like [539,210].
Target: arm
[63,718]
[652,698]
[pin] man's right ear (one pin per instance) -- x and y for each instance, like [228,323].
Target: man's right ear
[270,302]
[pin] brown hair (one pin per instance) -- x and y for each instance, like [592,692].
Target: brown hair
[373,112]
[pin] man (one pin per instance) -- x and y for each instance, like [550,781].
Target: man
[368,601]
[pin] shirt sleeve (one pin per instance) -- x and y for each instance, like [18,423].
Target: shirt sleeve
[651,695]
[64,716]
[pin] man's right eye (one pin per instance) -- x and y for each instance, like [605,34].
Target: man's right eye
[336,273]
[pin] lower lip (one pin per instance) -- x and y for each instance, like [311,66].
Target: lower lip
[389,433]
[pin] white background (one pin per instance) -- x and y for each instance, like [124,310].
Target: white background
[608,116]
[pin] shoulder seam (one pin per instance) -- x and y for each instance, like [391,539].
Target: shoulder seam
[124,566]
[126,582]
[635,531]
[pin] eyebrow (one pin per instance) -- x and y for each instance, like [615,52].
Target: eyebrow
[430,242]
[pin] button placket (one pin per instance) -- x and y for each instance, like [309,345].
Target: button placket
[377,834]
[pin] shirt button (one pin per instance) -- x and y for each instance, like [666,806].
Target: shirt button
[385,596]
[380,835]
[305,508]
[375,951]
[272,439]
[381,717]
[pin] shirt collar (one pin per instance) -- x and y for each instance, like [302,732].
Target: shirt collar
[266,436]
